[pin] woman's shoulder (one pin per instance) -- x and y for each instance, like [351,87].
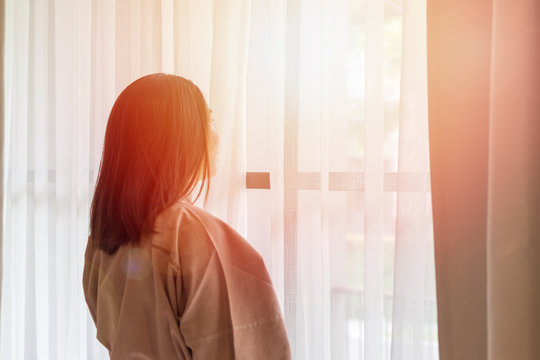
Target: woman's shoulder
[198,231]
[183,216]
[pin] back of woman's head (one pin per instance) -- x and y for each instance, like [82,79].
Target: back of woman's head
[155,151]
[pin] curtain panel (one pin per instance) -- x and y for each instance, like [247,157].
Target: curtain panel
[484,113]
[321,109]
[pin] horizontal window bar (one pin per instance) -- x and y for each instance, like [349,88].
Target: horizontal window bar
[337,181]
[345,181]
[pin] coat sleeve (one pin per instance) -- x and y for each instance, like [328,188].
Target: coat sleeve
[229,309]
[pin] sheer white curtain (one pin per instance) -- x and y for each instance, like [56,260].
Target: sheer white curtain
[323,166]
[337,113]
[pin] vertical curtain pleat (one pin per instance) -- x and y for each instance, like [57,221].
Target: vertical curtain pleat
[150,37]
[14,253]
[62,166]
[335,107]
[265,111]
[81,119]
[72,114]
[201,38]
[311,286]
[123,44]
[374,181]
[52,256]
[321,268]
[182,30]
[103,77]
[274,115]
[167,36]
[135,37]
[513,235]
[102,95]
[413,296]
[30,349]
[458,45]
[40,115]
[2,146]
[290,167]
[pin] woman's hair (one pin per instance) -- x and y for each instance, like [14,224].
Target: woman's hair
[155,151]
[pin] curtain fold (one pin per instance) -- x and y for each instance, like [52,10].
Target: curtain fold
[513,234]
[326,100]
[413,314]
[483,116]
[458,45]
[2,122]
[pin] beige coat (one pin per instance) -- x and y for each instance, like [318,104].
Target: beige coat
[195,290]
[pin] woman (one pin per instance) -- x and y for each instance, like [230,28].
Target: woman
[164,279]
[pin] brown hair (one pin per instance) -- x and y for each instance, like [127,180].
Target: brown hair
[156,145]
